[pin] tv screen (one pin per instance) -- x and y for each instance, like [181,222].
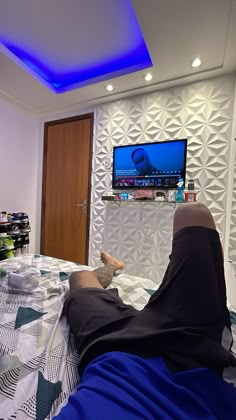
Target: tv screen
[150,165]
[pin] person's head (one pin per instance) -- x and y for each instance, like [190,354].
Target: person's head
[140,159]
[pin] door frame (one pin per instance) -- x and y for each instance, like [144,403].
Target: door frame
[44,176]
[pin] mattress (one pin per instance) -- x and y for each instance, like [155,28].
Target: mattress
[38,358]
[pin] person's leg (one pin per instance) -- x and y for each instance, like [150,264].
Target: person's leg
[188,311]
[83,279]
[192,214]
[105,273]
[186,215]
[93,312]
[196,261]
[99,278]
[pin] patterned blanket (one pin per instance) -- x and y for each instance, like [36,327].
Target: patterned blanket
[38,359]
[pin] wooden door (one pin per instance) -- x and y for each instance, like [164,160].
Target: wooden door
[66,189]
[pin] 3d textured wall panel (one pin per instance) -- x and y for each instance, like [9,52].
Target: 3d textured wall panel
[232,238]
[140,234]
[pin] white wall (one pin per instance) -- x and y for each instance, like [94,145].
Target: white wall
[232,221]
[19,134]
[230,251]
[201,112]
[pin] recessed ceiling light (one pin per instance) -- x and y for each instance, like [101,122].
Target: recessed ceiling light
[148,77]
[109,88]
[196,62]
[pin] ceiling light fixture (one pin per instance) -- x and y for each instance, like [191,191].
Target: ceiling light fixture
[148,77]
[196,62]
[110,88]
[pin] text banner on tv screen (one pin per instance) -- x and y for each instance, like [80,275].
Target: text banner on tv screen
[157,165]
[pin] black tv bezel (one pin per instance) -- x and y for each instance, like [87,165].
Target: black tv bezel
[144,144]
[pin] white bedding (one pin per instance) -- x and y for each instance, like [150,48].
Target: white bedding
[38,359]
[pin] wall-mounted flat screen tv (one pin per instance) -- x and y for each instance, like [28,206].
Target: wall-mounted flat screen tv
[157,165]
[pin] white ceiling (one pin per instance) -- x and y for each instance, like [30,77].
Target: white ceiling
[175,31]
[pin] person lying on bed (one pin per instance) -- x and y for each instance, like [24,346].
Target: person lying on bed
[168,360]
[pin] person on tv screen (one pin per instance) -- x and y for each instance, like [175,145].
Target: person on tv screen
[142,163]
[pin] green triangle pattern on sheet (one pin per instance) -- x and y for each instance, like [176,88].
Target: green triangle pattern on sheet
[233,317]
[47,393]
[116,274]
[43,272]
[150,291]
[26,315]
[63,275]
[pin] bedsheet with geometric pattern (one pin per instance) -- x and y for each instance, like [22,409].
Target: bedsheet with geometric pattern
[38,359]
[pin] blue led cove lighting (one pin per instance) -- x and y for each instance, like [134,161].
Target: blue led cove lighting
[124,62]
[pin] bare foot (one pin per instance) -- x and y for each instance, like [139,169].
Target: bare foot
[107,259]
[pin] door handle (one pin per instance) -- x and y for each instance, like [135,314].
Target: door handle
[83,205]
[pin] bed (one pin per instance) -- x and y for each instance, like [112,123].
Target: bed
[38,359]
[38,365]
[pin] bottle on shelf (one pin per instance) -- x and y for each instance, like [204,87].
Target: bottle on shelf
[191,185]
[190,194]
[179,197]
